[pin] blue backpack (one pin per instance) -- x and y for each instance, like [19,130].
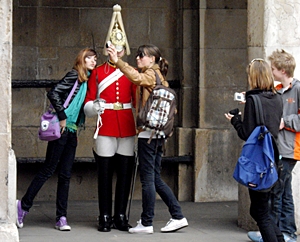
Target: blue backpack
[256,168]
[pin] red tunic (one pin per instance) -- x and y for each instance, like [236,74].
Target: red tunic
[115,123]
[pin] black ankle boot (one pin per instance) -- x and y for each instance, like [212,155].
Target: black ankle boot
[104,223]
[121,223]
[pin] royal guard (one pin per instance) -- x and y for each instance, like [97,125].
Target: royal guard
[111,96]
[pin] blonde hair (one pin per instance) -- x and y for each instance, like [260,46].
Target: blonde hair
[282,60]
[79,64]
[260,75]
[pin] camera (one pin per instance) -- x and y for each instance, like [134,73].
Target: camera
[240,97]
[108,43]
[234,111]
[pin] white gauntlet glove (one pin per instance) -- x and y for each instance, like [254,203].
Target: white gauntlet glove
[98,106]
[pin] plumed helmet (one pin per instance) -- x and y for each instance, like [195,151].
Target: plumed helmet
[116,32]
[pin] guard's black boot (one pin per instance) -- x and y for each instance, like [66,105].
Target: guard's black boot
[104,223]
[105,174]
[121,223]
[124,167]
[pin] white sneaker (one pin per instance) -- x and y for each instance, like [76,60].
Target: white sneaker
[141,229]
[288,238]
[255,236]
[174,225]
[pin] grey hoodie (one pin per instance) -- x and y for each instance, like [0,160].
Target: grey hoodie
[289,136]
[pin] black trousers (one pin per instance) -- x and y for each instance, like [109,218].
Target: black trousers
[260,212]
[106,166]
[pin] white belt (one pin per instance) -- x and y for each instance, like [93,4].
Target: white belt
[117,106]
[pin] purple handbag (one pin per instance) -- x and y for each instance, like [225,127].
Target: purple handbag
[49,125]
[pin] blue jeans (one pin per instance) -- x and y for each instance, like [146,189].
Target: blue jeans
[282,204]
[259,211]
[61,154]
[150,167]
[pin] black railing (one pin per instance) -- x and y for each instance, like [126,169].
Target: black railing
[186,159]
[49,83]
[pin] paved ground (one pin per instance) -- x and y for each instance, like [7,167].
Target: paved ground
[208,222]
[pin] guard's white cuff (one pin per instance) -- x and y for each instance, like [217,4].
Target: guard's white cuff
[88,109]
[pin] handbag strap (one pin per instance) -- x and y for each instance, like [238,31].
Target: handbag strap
[69,96]
[259,113]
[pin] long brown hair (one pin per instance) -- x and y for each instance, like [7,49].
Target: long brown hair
[152,50]
[79,64]
[260,75]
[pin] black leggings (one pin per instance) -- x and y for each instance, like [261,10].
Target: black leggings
[260,212]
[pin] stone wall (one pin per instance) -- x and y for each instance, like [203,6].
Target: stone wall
[46,42]
[223,59]
[47,36]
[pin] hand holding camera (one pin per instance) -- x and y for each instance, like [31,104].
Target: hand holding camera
[234,111]
[108,43]
[239,96]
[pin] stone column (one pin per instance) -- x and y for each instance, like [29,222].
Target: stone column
[188,95]
[272,24]
[8,229]
[222,62]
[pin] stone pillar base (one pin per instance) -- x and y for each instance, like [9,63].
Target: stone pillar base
[8,232]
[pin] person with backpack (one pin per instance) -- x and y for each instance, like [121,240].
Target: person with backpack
[282,204]
[150,151]
[261,83]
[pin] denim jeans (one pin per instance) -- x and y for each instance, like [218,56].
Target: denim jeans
[150,167]
[259,211]
[61,154]
[282,204]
